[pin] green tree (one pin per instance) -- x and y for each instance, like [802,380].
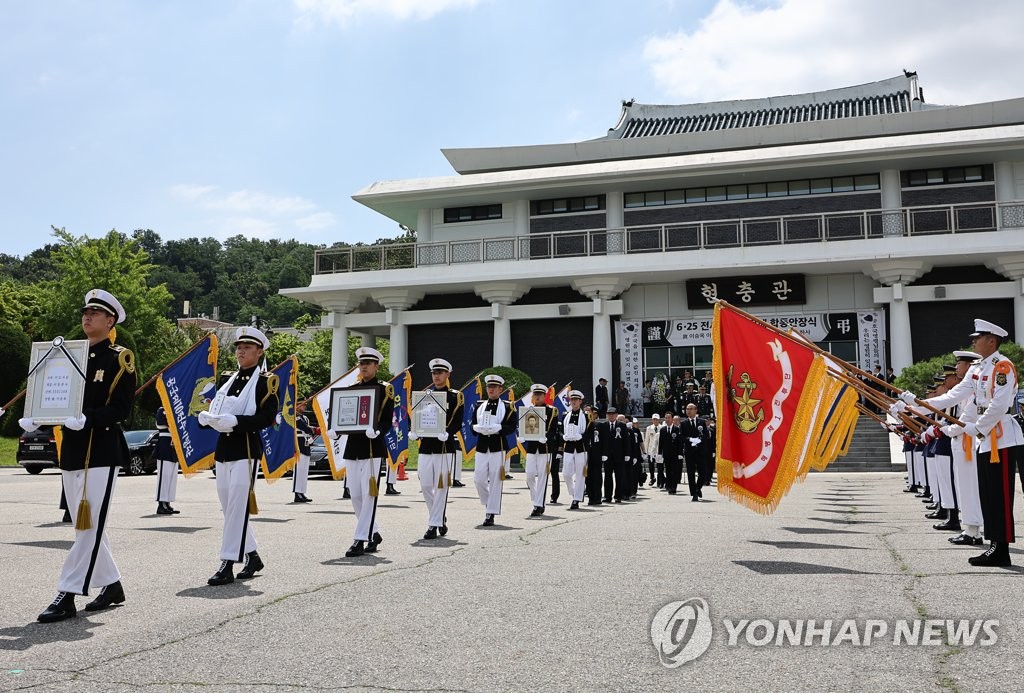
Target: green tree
[919,377]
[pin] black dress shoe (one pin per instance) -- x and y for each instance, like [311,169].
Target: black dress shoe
[910,489]
[173,511]
[302,498]
[431,533]
[949,525]
[488,520]
[392,491]
[357,549]
[443,530]
[66,518]
[346,494]
[932,506]
[965,540]
[575,505]
[695,499]
[554,501]
[937,515]
[997,555]
[224,574]
[62,607]
[537,511]
[458,484]
[162,509]
[594,503]
[671,493]
[253,563]
[108,596]
[375,541]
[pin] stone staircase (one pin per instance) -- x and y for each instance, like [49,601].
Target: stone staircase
[870,450]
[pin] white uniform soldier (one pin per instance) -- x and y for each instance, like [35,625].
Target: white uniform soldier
[245,404]
[437,454]
[304,435]
[965,471]
[576,432]
[166,467]
[493,421]
[652,434]
[996,436]
[539,453]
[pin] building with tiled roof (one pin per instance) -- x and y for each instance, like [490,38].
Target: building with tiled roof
[876,223]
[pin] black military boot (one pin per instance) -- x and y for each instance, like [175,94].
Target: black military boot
[253,563]
[108,596]
[62,607]
[997,555]
[444,527]
[431,533]
[375,541]
[392,491]
[952,522]
[358,548]
[224,574]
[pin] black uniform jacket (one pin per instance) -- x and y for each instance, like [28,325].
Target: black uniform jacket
[243,443]
[580,418]
[359,447]
[109,394]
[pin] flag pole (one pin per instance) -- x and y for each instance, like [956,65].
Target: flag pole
[175,361]
[878,400]
[849,366]
[15,399]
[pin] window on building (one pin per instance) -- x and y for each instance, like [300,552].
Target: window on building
[752,191]
[587,203]
[454,215]
[948,176]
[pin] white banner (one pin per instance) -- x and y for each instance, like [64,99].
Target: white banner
[631,361]
[871,338]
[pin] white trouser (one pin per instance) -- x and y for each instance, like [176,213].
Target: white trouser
[357,477]
[919,468]
[488,479]
[908,458]
[943,467]
[234,480]
[300,475]
[965,476]
[573,464]
[537,468]
[166,481]
[89,563]
[392,474]
[457,476]
[931,474]
[433,471]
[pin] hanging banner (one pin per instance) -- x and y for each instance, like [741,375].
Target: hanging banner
[871,338]
[631,362]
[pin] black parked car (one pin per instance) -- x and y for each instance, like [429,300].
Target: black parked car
[141,445]
[37,450]
[318,461]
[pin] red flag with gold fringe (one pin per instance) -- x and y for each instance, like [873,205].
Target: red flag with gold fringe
[767,388]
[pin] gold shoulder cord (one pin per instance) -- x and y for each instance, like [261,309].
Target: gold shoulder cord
[389,393]
[273,385]
[458,400]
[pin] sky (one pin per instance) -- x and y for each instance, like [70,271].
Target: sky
[213,118]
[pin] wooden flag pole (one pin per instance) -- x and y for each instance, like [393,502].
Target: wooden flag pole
[175,361]
[879,400]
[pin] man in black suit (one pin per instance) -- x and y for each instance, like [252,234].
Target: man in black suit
[619,442]
[597,456]
[601,396]
[670,445]
[696,440]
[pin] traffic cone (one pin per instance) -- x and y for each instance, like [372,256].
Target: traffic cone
[401,471]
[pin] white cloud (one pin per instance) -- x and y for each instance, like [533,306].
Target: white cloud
[190,192]
[253,213]
[248,202]
[341,12]
[963,52]
[315,222]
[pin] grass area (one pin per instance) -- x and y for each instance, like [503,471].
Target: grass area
[8,452]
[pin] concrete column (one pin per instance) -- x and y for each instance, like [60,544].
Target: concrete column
[889,180]
[521,217]
[614,209]
[602,344]
[368,340]
[424,226]
[398,357]
[1018,317]
[1006,186]
[900,343]
[339,346]
[502,336]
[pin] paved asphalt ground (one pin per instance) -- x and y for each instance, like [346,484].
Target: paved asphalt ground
[564,602]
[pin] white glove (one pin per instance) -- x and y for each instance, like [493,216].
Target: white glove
[927,435]
[221,424]
[896,407]
[953,430]
[908,397]
[478,429]
[492,430]
[229,421]
[413,436]
[971,429]
[694,441]
[604,458]
[75,423]
[27,424]
[442,436]
[371,433]
[204,418]
[333,435]
[2,411]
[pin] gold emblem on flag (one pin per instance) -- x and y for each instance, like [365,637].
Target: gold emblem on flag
[748,415]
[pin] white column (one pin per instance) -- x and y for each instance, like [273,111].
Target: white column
[1018,317]
[900,343]
[424,226]
[502,336]
[339,347]
[1006,187]
[602,344]
[889,181]
[398,355]
[521,217]
[614,210]
[368,340]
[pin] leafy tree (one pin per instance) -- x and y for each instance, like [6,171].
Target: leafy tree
[919,377]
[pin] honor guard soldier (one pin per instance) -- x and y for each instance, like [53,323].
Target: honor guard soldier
[577,430]
[365,452]
[437,453]
[493,421]
[92,452]
[539,454]
[995,436]
[304,434]
[245,404]
[166,466]
[965,473]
